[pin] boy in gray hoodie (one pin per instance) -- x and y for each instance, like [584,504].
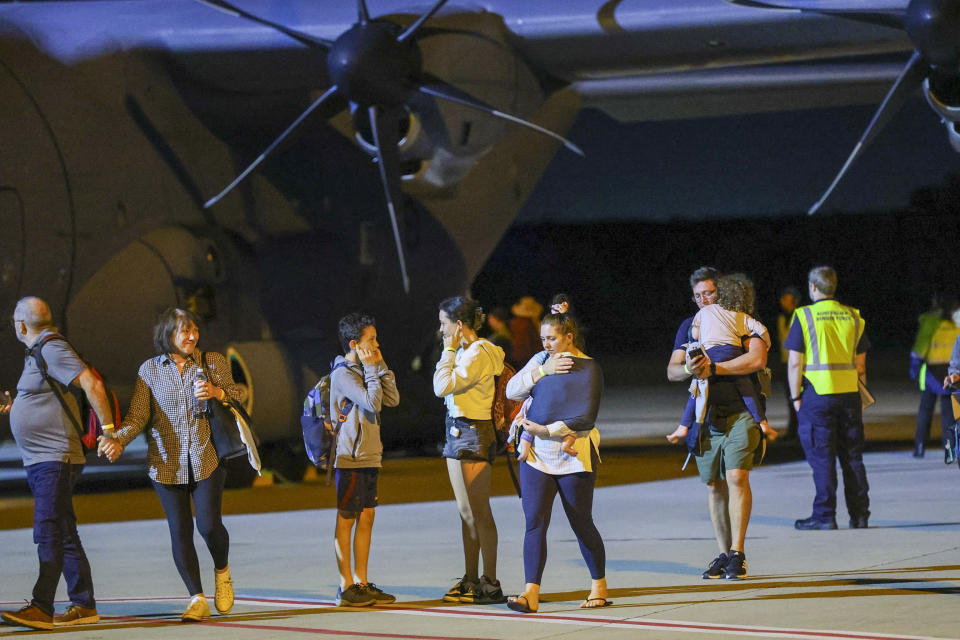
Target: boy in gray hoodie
[360,385]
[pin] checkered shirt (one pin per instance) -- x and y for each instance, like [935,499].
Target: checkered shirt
[163,400]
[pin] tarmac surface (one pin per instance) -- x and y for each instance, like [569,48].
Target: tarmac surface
[896,579]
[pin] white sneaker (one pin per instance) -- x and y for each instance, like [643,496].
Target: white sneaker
[197,611]
[223,596]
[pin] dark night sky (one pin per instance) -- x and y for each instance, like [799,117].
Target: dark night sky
[757,165]
[622,229]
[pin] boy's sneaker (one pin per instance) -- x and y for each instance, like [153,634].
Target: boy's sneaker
[486,591]
[28,616]
[76,615]
[456,591]
[378,594]
[354,596]
[715,570]
[736,568]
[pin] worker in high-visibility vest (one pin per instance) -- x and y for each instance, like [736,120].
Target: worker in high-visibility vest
[929,360]
[827,363]
[952,383]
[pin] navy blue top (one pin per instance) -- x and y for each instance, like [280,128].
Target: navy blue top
[571,397]
[683,334]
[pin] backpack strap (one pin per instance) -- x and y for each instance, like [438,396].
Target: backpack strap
[36,352]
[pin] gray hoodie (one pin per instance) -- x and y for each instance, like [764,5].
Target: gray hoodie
[369,387]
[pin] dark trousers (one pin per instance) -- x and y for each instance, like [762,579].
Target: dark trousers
[928,402]
[207,497]
[831,430]
[56,537]
[576,496]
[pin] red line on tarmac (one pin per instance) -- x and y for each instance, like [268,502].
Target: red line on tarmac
[690,626]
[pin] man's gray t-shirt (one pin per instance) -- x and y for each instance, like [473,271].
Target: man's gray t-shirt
[43,431]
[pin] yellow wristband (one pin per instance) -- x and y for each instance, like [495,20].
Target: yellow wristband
[543,374]
[687,370]
[449,349]
[107,427]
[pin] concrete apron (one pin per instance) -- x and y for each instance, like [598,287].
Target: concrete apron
[897,579]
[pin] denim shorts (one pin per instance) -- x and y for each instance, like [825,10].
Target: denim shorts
[476,439]
[357,489]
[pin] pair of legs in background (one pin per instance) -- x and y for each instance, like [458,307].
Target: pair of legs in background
[734,442]
[831,431]
[576,495]
[470,480]
[207,498]
[357,497]
[58,549]
[928,404]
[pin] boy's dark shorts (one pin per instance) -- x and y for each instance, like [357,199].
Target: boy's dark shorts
[476,440]
[357,489]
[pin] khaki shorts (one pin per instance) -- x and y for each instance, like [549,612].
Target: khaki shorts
[733,449]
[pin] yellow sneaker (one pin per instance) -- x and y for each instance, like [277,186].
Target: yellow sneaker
[223,596]
[197,611]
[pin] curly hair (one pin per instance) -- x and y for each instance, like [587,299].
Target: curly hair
[732,294]
[352,326]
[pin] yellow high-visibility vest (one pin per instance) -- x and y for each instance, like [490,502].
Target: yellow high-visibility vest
[939,349]
[831,332]
[941,344]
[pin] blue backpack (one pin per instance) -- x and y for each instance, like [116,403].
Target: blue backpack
[319,429]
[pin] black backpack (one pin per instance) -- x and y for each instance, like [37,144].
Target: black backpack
[87,424]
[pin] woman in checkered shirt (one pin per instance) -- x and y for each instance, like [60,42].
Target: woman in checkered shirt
[181,459]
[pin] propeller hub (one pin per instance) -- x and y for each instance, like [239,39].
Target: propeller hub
[934,29]
[371,67]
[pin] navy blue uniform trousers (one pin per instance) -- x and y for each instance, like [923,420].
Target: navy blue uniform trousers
[831,430]
[928,402]
[56,537]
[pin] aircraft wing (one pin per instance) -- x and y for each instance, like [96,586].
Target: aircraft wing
[635,59]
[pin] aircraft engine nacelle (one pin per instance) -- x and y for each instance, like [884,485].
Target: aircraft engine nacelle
[440,142]
[944,98]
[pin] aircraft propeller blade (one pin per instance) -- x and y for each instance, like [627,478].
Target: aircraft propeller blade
[273,145]
[363,14]
[880,16]
[910,79]
[413,28]
[437,88]
[383,124]
[299,36]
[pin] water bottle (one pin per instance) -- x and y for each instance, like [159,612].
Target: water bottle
[201,404]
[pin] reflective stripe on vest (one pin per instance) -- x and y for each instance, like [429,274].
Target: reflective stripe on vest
[830,366]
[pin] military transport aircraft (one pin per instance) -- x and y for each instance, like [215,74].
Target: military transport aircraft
[373,152]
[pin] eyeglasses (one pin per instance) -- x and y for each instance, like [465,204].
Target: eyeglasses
[706,295]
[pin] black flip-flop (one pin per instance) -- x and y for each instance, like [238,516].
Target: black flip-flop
[606,603]
[520,606]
